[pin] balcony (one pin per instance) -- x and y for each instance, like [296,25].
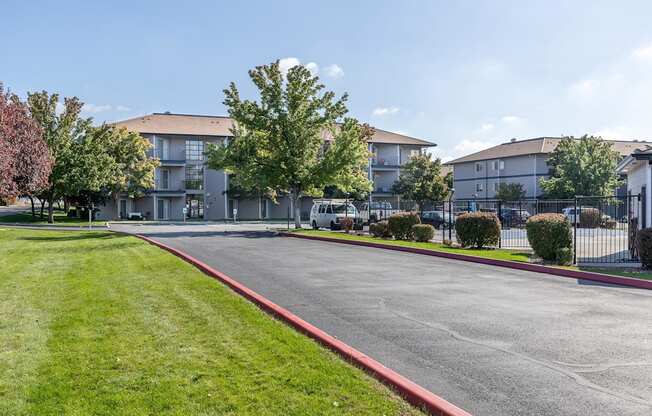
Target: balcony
[384,164]
[172,163]
[194,184]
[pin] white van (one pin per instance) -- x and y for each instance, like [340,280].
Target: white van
[327,213]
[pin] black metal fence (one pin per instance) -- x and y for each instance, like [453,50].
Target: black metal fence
[604,228]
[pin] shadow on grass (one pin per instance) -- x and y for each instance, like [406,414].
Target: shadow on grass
[76,237]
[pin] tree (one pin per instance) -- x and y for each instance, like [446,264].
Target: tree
[510,191]
[420,180]
[584,166]
[60,132]
[295,141]
[25,161]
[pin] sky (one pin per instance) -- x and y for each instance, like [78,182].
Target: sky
[465,75]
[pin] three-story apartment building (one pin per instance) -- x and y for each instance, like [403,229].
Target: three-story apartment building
[478,175]
[183,180]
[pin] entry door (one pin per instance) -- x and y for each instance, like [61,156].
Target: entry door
[123,209]
[163,209]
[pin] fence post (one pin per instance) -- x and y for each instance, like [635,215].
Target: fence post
[500,219]
[575,233]
[450,219]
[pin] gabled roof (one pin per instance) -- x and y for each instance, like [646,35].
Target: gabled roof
[540,145]
[198,125]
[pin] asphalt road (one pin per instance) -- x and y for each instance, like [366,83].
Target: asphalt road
[493,341]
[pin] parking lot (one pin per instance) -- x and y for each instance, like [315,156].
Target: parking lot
[493,341]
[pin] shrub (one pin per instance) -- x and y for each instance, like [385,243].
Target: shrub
[590,218]
[346,223]
[549,235]
[564,256]
[477,229]
[447,243]
[610,224]
[380,230]
[423,232]
[400,225]
[644,245]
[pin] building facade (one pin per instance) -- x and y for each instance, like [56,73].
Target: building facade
[478,176]
[184,182]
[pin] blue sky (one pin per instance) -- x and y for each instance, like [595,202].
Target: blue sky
[463,74]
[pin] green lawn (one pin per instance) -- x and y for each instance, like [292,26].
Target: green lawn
[501,254]
[59,219]
[101,323]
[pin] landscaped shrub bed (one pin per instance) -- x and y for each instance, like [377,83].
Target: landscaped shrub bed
[477,229]
[551,237]
[380,229]
[347,224]
[644,245]
[400,225]
[423,232]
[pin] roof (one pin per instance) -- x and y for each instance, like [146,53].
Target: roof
[200,125]
[540,145]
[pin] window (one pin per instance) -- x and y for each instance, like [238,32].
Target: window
[161,148]
[478,187]
[494,165]
[322,209]
[164,179]
[329,209]
[194,150]
[496,186]
[194,177]
[502,164]
[478,167]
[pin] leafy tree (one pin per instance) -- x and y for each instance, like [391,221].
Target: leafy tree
[25,161]
[510,191]
[295,141]
[584,166]
[60,131]
[420,180]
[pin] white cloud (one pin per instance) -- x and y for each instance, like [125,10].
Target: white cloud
[468,146]
[95,108]
[312,67]
[334,71]
[59,108]
[643,53]
[122,108]
[584,88]
[617,132]
[384,111]
[510,119]
[487,127]
[285,64]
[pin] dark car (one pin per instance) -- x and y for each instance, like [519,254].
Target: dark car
[513,217]
[437,219]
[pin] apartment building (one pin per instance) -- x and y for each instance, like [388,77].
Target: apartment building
[478,175]
[184,181]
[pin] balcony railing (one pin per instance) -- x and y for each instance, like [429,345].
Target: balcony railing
[194,184]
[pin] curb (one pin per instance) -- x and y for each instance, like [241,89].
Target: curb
[411,391]
[573,274]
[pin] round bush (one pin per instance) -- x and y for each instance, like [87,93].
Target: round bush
[400,225]
[477,229]
[590,218]
[423,232]
[644,245]
[380,230]
[346,223]
[548,234]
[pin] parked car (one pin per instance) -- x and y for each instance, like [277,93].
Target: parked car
[437,219]
[572,217]
[376,211]
[513,217]
[328,213]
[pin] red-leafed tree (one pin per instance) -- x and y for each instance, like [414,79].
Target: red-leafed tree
[25,160]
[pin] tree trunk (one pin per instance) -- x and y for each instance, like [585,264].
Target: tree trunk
[296,198]
[42,201]
[50,209]
[31,200]
[66,205]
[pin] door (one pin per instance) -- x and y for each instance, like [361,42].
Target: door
[123,209]
[163,209]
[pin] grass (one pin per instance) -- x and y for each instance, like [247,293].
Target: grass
[101,323]
[500,254]
[60,218]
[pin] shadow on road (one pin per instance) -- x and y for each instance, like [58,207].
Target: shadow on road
[192,234]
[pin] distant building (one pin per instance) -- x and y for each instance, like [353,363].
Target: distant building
[183,181]
[478,175]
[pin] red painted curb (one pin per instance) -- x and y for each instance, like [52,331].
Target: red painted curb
[412,392]
[574,274]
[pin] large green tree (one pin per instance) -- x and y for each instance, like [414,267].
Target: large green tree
[510,191]
[584,166]
[295,140]
[421,181]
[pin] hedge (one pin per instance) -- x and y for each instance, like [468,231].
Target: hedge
[644,245]
[423,232]
[380,229]
[477,229]
[551,237]
[400,225]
